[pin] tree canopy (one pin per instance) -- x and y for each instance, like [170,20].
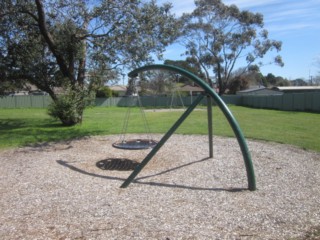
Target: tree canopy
[75,46]
[217,36]
[54,44]
[189,65]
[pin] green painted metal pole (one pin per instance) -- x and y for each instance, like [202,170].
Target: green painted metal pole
[232,121]
[161,142]
[210,131]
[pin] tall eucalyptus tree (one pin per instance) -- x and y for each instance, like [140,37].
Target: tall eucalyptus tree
[218,36]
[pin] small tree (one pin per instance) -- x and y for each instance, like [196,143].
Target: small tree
[276,81]
[316,80]
[104,92]
[299,82]
[217,36]
[69,107]
[237,84]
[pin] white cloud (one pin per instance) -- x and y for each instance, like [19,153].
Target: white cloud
[284,28]
[249,3]
[294,22]
[317,60]
[279,15]
[292,17]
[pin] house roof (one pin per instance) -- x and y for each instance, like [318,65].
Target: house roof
[185,88]
[118,88]
[254,89]
[297,88]
[259,91]
[188,88]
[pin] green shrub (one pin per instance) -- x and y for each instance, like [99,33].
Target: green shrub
[66,111]
[68,108]
[104,92]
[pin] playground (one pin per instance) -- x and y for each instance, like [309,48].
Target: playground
[59,191]
[171,186]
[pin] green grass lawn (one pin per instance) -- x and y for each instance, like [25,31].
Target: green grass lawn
[19,127]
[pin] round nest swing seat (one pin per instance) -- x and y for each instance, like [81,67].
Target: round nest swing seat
[135,144]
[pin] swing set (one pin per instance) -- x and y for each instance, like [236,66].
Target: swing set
[155,146]
[133,98]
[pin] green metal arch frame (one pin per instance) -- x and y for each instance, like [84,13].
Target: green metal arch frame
[232,121]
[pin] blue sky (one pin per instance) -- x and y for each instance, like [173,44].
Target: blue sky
[294,22]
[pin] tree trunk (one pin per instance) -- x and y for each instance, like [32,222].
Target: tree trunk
[49,40]
[67,109]
[220,82]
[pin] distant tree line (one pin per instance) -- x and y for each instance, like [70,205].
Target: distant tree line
[241,79]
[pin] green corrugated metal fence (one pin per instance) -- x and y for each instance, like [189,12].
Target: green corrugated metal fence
[29,101]
[309,101]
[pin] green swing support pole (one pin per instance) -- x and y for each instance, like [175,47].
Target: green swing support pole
[210,130]
[161,142]
[215,97]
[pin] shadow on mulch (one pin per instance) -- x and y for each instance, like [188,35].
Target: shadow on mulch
[117,164]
